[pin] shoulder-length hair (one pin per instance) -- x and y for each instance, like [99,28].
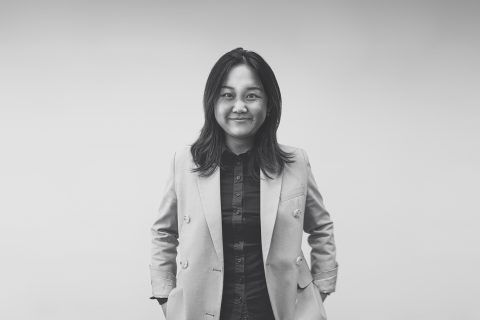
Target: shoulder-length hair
[267,155]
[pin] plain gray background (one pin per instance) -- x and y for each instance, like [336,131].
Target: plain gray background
[95,96]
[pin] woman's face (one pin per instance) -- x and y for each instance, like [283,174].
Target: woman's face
[241,107]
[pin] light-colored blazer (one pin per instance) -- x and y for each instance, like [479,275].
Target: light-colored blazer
[189,219]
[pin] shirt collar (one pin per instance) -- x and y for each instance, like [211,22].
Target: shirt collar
[229,156]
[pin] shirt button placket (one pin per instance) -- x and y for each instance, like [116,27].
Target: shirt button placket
[237,221]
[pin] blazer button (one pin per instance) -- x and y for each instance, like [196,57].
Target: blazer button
[297,212]
[186,218]
[299,260]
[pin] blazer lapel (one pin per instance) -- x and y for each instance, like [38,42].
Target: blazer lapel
[269,198]
[209,189]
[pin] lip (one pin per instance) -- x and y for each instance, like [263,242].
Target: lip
[240,119]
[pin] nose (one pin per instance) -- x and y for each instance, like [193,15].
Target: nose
[239,106]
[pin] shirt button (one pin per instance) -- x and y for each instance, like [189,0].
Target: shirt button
[237,194]
[237,178]
[238,245]
[237,211]
[299,260]
[184,264]
[186,218]
[297,212]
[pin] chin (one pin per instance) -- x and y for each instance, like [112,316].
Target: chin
[239,135]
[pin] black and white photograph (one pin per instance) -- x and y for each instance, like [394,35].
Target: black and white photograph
[239,160]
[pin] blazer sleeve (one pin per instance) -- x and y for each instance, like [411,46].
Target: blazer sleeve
[163,266]
[319,226]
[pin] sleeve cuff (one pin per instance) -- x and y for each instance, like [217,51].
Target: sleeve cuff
[326,285]
[162,283]
[326,280]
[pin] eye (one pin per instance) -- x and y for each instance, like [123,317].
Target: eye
[252,96]
[226,95]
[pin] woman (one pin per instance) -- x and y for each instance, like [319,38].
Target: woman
[227,239]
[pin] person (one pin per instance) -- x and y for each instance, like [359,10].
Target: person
[227,237]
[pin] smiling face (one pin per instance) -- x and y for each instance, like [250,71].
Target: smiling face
[241,107]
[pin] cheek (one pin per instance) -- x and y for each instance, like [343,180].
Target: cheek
[261,113]
[219,113]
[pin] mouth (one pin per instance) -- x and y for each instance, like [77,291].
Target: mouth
[239,119]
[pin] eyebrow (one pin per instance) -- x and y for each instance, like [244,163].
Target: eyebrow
[249,88]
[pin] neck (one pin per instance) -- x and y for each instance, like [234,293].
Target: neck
[238,146]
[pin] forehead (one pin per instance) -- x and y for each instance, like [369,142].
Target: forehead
[242,76]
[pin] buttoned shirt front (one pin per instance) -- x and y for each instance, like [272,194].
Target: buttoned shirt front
[245,289]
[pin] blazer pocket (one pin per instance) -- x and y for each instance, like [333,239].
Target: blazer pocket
[304,275]
[292,193]
[175,305]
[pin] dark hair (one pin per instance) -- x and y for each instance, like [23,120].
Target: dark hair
[207,149]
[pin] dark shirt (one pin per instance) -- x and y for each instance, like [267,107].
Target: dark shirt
[244,287]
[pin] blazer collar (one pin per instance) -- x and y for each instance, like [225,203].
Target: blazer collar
[209,190]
